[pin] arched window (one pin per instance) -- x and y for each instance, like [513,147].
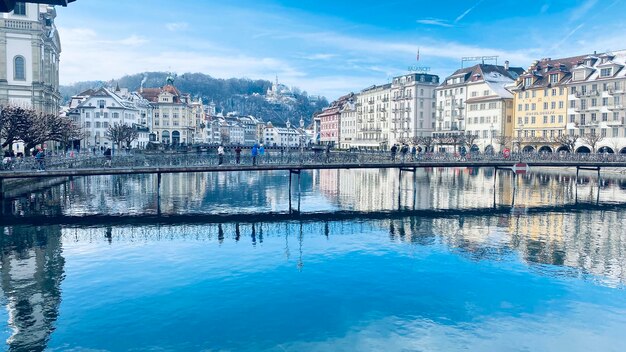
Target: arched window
[19,67]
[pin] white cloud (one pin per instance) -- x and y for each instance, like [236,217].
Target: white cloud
[319,57]
[434,22]
[461,16]
[580,11]
[89,57]
[177,26]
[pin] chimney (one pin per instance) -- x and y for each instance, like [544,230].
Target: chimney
[506,65]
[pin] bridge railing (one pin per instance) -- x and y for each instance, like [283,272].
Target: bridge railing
[286,158]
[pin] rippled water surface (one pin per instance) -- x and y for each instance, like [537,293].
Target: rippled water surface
[439,260]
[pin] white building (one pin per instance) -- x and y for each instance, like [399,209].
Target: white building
[102,109]
[413,107]
[282,136]
[29,58]
[373,122]
[597,102]
[489,110]
[484,85]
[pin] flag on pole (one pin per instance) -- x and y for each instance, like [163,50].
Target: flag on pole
[418,54]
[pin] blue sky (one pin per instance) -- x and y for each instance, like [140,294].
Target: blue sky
[325,47]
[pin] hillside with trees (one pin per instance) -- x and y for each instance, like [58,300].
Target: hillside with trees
[241,95]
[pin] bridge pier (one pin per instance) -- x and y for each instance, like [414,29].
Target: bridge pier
[589,168]
[297,172]
[159,193]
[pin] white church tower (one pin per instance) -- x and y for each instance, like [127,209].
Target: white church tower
[29,58]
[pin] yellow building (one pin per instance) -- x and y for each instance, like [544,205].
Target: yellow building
[540,103]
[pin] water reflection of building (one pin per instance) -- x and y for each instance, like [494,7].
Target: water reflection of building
[372,190]
[31,274]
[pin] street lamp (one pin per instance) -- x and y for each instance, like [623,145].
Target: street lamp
[288,132]
[301,137]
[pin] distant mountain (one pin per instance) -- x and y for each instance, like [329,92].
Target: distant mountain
[245,96]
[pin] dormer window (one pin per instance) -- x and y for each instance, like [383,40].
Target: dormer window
[606,72]
[528,81]
[554,78]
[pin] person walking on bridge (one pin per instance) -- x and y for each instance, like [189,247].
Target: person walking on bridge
[238,154]
[394,151]
[40,156]
[255,153]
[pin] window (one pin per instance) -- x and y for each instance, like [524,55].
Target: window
[98,124]
[545,119]
[87,115]
[116,115]
[101,104]
[474,94]
[87,124]
[19,67]
[606,72]
[553,105]
[594,102]
[20,9]
[560,118]
[605,101]
[528,81]
[552,119]
[105,124]
[554,92]
[572,118]
[561,104]
[554,78]
[573,91]
[615,132]
[534,107]
[545,106]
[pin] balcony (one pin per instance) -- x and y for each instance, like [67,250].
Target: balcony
[615,107]
[614,122]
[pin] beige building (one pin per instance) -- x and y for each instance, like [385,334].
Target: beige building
[174,116]
[541,99]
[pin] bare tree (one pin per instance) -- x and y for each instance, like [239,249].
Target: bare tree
[116,133]
[131,135]
[568,141]
[592,139]
[469,140]
[503,141]
[69,133]
[13,120]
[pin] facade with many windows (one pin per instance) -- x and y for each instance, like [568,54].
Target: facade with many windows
[30,49]
[596,106]
[174,118]
[373,122]
[102,109]
[412,107]
[475,102]
[541,99]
